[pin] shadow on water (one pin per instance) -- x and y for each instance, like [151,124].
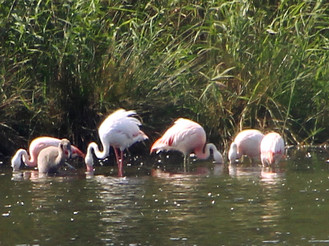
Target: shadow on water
[156,203]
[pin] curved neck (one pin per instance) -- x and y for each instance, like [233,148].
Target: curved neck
[233,152]
[99,154]
[61,155]
[29,161]
[206,153]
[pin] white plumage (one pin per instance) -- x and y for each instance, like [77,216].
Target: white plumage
[118,130]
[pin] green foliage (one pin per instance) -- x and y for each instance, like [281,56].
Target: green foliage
[227,64]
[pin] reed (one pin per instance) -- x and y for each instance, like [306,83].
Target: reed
[227,64]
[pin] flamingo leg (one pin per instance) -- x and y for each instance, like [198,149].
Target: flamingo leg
[119,161]
[116,154]
[120,171]
[185,162]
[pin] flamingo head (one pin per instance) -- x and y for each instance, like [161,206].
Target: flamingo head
[89,160]
[232,154]
[218,158]
[66,146]
[90,169]
[16,161]
[271,157]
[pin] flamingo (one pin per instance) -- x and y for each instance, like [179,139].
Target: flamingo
[247,142]
[51,158]
[272,149]
[187,136]
[35,147]
[118,130]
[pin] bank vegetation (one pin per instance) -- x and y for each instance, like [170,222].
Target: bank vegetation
[65,65]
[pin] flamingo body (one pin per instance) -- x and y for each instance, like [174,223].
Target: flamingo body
[51,158]
[118,130]
[247,142]
[272,149]
[187,136]
[35,147]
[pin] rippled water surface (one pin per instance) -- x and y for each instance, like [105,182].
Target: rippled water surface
[157,204]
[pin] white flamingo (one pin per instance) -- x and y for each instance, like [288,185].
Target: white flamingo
[118,130]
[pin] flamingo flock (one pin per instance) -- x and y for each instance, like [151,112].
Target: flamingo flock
[36,146]
[268,148]
[121,129]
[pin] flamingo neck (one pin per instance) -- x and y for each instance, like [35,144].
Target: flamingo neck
[61,154]
[206,153]
[28,160]
[233,153]
[89,161]
[21,155]
[99,154]
[203,154]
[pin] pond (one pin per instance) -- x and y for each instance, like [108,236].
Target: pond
[156,204]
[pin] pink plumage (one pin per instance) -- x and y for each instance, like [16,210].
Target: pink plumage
[247,142]
[186,136]
[272,149]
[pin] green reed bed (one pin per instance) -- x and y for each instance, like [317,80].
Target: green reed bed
[227,64]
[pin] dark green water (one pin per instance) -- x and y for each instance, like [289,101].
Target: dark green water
[211,205]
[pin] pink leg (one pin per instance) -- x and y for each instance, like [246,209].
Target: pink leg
[116,154]
[119,161]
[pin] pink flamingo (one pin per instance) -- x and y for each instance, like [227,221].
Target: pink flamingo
[118,130]
[187,136]
[36,146]
[272,149]
[247,142]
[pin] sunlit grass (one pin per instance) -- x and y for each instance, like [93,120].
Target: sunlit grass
[227,64]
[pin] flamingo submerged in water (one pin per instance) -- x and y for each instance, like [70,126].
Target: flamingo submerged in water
[35,147]
[247,142]
[51,158]
[118,130]
[187,136]
[272,149]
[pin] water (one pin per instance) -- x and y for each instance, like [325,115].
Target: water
[210,205]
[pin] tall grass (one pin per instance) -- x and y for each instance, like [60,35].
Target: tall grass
[227,64]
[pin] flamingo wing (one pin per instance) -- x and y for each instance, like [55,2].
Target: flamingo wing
[121,130]
[181,136]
